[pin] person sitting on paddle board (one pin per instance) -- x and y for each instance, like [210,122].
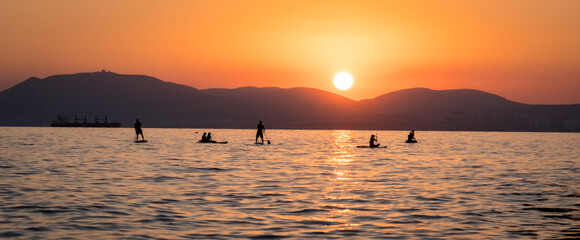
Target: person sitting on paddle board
[372,142]
[260,133]
[203,138]
[138,130]
[208,139]
[411,135]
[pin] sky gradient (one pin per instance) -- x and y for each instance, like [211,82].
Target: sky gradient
[527,51]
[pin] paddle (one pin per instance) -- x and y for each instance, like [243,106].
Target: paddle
[267,137]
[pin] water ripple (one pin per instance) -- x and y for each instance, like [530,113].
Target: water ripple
[98,184]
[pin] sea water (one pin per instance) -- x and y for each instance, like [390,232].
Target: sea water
[82,183]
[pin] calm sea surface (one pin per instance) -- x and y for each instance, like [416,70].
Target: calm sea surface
[74,183]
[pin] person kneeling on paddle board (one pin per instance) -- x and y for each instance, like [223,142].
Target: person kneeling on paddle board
[372,142]
[411,136]
[138,130]
[260,133]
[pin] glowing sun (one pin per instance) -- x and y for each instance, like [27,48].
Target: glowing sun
[343,81]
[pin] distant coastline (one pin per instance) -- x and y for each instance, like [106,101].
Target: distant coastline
[161,104]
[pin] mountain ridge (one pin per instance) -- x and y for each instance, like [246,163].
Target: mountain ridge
[35,102]
[413,100]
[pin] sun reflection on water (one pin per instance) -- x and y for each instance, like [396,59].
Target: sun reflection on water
[342,156]
[339,191]
[319,185]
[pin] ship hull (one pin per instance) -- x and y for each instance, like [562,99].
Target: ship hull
[94,125]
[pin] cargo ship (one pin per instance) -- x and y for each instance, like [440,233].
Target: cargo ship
[63,121]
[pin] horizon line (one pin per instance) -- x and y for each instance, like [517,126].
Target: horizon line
[253,86]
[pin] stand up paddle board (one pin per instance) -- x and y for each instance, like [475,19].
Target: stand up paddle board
[214,142]
[371,147]
[141,141]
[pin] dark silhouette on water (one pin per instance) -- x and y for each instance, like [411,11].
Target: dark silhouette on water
[411,137]
[372,142]
[209,137]
[63,121]
[138,130]
[265,135]
[261,132]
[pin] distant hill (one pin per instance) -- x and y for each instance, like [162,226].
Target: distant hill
[423,100]
[36,102]
[465,109]
[294,107]
[124,97]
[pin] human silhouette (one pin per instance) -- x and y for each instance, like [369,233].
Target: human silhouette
[203,138]
[209,137]
[260,133]
[411,136]
[372,142]
[138,130]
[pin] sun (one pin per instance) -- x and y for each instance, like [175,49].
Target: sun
[343,81]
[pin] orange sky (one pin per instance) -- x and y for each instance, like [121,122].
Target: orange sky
[527,51]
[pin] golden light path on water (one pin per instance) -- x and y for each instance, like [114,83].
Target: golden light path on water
[97,184]
[340,186]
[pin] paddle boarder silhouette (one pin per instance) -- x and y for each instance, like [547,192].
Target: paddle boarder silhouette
[260,133]
[138,130]
[209,137]
[411,136]
[372,142]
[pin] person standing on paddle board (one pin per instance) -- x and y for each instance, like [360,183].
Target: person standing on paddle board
[138,130]
[260,133]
